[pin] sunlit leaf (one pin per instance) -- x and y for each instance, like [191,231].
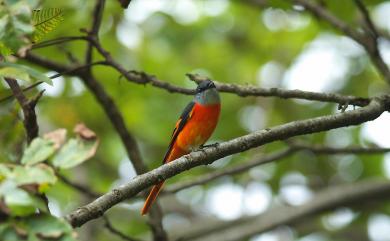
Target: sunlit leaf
[30,71]
[37,174]
[39,150]
[15,73]
[74,152]
[45,21]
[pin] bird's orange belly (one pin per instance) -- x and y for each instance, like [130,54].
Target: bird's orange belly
[199,128]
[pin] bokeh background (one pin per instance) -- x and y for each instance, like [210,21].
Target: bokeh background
[276,45]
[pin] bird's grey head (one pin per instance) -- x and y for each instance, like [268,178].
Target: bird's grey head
[206,93]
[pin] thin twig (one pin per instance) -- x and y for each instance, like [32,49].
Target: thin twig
[294,147]
[57,41]
[94,33]
[144,78]
[228,171]
[327,199]
[367,19]
[30,118]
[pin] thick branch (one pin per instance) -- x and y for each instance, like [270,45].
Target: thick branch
[208,155]
[328,199]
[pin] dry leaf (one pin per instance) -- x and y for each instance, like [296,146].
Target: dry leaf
[58,137]
[84,132]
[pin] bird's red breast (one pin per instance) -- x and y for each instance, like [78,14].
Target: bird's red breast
[199,127]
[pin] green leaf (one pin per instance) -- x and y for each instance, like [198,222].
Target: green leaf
[15,26]
[50,227]
[20,202]
[39,150]
[15,73]
[37,174]
[74,152]
[45,20]
[30,71]
[37,227]
[4,50]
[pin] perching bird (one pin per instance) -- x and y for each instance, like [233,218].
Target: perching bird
[193,129]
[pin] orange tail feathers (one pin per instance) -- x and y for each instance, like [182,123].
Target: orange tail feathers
[152,197]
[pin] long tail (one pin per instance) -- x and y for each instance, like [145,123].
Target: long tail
[152,197]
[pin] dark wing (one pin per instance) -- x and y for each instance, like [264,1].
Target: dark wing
[185,116]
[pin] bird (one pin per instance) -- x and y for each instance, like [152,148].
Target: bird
[194,127]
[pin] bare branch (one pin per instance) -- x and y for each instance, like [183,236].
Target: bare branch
[367,19]
[94,33]
[30,118]
[328,199]
[144,78]
[294,147]
[208,155]
[368,42]
[229,171]
[56,41]
[324,150]
[284,94]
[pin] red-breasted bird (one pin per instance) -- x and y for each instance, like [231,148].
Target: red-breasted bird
[193,129]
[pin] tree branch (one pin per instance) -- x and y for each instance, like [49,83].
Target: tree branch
[369,42]
[208,155]
[328,199]
[324,150]
[30,118]
[228,171]
[144,78]
[56,41]
[94,33]
[294,147]
[367,19]
[284,94]
[117,121]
